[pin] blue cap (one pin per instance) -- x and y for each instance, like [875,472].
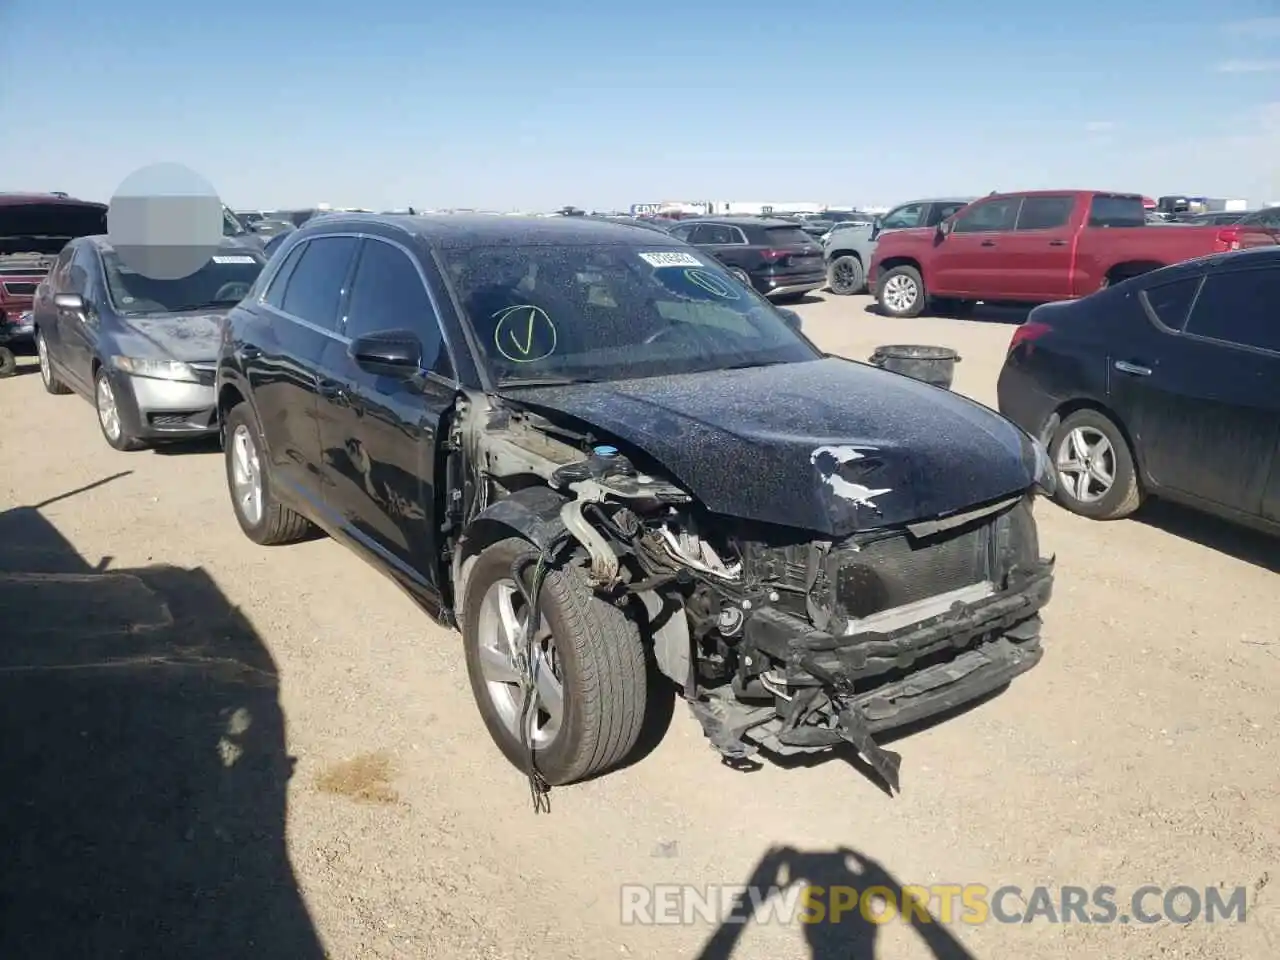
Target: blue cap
[605,451]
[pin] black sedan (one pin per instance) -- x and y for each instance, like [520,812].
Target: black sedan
[1164,385]
[140,349]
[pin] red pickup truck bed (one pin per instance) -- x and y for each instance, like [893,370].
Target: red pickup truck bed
[1036,247]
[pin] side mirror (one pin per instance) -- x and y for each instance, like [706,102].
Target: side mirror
[876,225]
[944,228]
[388,353]
[790,317]
[71,302]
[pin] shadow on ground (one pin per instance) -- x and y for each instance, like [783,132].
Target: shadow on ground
[143,794]
[848,936]
[1245,544]
[1010,314]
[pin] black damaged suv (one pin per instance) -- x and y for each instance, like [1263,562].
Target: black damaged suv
[588,446]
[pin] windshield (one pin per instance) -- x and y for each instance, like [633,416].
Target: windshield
[222,282]
[613,312]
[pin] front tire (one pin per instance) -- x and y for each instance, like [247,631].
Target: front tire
[111,418]
[901,293]
[263,519]
[47,376]
[592,686]
[1096,473]
[846,276]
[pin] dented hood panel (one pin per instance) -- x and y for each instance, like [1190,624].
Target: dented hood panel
[830,445]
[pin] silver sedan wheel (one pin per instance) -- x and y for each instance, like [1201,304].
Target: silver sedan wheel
[108,410]
[501,627]
[900,293]
[1086,464]
[246,476]
[42,353]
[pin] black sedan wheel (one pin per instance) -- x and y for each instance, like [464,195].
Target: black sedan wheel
[1096,474]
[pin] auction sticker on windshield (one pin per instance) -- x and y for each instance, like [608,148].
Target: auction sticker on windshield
[671,259]
[234,260]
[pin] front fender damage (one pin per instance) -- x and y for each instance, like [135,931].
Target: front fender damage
[779,640]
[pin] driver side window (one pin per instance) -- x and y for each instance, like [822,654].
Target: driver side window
[989,216]
[903,218]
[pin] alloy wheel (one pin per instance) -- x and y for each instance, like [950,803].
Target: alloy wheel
[1086,464]
[502,623]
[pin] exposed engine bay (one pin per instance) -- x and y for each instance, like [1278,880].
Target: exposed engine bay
[778,638]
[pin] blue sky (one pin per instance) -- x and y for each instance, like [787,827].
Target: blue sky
[518,105]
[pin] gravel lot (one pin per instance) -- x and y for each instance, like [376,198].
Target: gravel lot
[1143,750]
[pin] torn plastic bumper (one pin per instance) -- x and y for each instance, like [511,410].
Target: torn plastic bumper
[848,688]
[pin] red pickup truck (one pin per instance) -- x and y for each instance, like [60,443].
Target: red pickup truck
[1035,247]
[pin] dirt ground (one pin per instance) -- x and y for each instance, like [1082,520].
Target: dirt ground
[282,756]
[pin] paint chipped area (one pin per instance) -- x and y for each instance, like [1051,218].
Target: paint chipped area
[834,465]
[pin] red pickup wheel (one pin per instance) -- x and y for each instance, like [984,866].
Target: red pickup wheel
[901,293]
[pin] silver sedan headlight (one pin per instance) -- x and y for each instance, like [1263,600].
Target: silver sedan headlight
[155,369]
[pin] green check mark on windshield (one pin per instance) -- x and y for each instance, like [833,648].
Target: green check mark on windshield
[528,339]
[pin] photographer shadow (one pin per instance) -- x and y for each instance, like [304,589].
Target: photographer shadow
[850,936]
[145,773]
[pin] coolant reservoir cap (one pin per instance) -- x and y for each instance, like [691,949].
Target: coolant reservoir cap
[605,451]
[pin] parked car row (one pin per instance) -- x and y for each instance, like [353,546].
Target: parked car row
[527,423]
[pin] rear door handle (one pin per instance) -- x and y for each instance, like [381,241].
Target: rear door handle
[988,243]
[1057,243]
[1124,366]
[331,390]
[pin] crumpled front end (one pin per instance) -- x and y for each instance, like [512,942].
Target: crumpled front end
[780,639]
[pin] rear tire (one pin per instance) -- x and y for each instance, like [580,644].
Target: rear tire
[47,376]
[8,363]
[599,663]
[846,276]
[901,293]
[268,523]
[1091,446]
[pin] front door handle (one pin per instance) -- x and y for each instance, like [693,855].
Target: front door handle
[1057,243]
[331,390]
[988,243]
[1124,366]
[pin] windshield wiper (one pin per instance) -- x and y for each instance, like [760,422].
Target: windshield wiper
[209,305]
[749,364]
[546,381]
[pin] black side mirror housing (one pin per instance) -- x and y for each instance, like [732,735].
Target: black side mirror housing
[388,353]
[791,317]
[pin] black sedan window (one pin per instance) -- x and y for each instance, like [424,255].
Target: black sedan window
[612,312]
[222,282]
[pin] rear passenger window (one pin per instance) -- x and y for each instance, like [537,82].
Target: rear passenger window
[1045,213]
[314,288]
[275,292]
[1240,308]
[388,294]
[1171,301]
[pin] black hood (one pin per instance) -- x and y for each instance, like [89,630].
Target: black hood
[830,446]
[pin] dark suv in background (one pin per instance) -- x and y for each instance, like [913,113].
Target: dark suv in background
[775,257]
